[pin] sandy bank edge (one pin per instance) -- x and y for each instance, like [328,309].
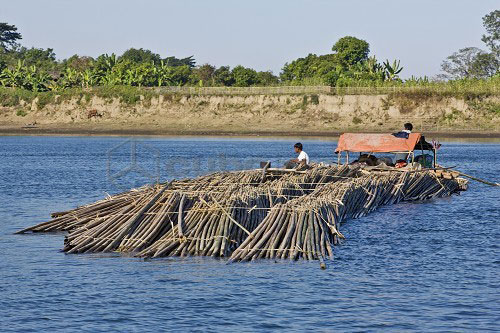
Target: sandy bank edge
[100,131]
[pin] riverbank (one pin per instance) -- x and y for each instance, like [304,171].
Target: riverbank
[146,112]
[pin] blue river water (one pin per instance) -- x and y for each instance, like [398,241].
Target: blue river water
[429,266]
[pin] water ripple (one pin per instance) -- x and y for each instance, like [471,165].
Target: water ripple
[430,266]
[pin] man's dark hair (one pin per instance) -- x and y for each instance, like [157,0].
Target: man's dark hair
[408,126]
[298,145]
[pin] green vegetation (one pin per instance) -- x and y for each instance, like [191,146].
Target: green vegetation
[356,121]
[21,113]
[467,89]
[494,108]
[467,71]
[315,99]
[125,94]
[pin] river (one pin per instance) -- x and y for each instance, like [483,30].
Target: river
[429,266]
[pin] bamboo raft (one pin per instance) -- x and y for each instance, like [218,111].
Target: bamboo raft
[244,215]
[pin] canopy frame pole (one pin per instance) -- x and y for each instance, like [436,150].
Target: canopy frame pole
[423,157]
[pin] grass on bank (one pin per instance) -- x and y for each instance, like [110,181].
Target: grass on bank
[130,95]
[11,97]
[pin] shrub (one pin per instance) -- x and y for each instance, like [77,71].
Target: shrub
[315,99]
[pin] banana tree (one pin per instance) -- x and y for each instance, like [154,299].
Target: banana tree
[372,66]
[40,81]
[70,78]
[3,78]
[88,78]
[110,61]
[14,77]
[413,80]
[392,71]
[8,78]
[103,70]
[133,76]
[110,79]
[29,78]
[34,79]
[162,73]
[130,77]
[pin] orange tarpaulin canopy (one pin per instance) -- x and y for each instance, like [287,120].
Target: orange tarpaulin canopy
[376,143]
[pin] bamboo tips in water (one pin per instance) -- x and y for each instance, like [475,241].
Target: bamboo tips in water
[241,215]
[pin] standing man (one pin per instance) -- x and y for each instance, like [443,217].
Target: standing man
[301,161]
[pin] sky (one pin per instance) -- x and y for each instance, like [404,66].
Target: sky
[262,34]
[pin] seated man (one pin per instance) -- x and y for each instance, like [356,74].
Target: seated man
[404,134]
[302,161]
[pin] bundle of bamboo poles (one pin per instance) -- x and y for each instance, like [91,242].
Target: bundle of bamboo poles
[287,185]
[244,215]
[213,217]
[307,228]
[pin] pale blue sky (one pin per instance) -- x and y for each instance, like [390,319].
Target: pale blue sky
[255,33]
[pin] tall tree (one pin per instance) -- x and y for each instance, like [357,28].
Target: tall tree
[140,56]
[351,50]
[173,61]
[491,23]
[267,78]
[223,76]
[205,74]
[42,58]
[8,36]
[470,62]
[244,77]
[79,63]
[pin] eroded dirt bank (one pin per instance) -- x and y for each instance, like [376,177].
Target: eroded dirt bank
[254,115]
